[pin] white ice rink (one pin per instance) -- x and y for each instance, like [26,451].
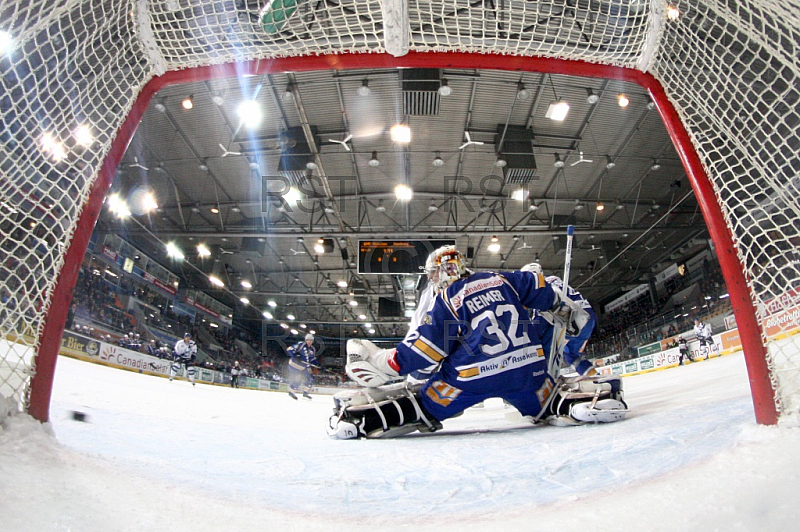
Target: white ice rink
[155,455]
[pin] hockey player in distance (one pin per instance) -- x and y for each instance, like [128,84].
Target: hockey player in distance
[185,353]
[478,337]
[683,349]
[303,358]
[573,350]
[703,333]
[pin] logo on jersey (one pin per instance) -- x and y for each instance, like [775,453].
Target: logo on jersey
[470,288]
[442,393]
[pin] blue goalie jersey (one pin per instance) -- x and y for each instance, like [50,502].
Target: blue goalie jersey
[480,336]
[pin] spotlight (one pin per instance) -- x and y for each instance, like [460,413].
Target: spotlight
[600,206]
[403,193]
[287,95]
[557,111]
[522,92]
[401,133]
[188,103]
[623,100]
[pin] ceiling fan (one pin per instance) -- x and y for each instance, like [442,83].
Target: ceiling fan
[343,142]
[582,160]
[469,141]
[227,151]
[137,164]
[225,251]
[301,252]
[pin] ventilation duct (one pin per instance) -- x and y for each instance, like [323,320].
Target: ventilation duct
[517,150]
[421,91]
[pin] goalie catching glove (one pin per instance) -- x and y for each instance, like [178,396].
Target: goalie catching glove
[568,312]
[369,365]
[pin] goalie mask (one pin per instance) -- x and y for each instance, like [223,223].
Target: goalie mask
[533,267]
[445,266]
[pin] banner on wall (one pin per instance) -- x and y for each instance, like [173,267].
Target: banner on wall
[627,297]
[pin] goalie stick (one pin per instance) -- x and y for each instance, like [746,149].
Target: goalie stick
[559,327]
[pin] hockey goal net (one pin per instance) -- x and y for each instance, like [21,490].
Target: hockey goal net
[76,75]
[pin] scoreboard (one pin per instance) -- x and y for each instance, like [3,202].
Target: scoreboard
[396,257]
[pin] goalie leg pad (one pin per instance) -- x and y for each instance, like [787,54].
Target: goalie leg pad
[598,400]
[389,417]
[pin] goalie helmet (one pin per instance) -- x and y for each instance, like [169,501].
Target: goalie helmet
[445,266]
[533,267]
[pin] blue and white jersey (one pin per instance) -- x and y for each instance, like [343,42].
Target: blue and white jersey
[571,292]
[479,331]
[302,355]
[185,349]
[702,331]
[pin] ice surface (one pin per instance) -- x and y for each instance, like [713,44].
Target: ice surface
[155,455]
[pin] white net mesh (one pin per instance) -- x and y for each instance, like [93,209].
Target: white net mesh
[729,68]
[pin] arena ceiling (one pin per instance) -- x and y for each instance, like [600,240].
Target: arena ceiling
[221,181]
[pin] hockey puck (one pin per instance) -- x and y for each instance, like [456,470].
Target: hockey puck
[79,416]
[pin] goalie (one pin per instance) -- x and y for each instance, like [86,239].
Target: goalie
[478,341]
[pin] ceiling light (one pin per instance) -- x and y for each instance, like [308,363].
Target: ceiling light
[214,210]
[559,163]
[319,247]
[432,207]
[500,162]
[533,206]
[600,206]
[118,206]
[368,325]
[374,162]
[311,165]
[203,251]
[610,162]
[578,205]
[303,325]
[557,111]
[438,161]
[217,99]
[83,136]
[592,98]
[522,92]
[403,193]
[342,284]
[520,194]
[287,95]
[195,208]
[673,13]
[244,301]
[623,100]
[203,165]
[290,316]
[364,89]
[445,89]
[236,209]
[284,326]
[272,303]
[188,103]
[6,42]
[401,133]
[353,303]
[246,284]
[160,107]
[371,331]
[656,165]
[215,281]
[494,246]
[380,207]
[362,317]
[650,105]
[249,113]
[267,314]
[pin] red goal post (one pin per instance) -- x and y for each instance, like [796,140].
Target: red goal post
[700,117]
